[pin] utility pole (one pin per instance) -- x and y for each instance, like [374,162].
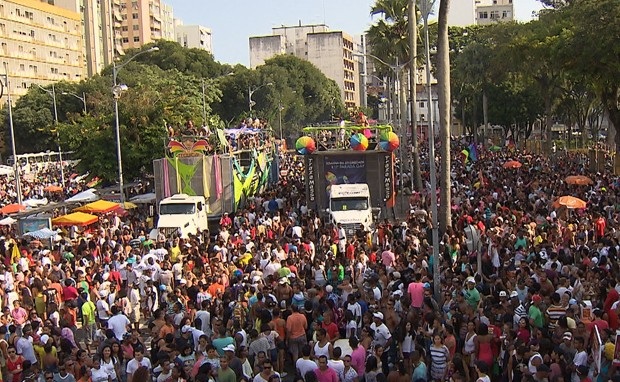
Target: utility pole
[16,171]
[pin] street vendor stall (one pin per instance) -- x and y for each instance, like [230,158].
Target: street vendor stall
[99,207]
[76,218]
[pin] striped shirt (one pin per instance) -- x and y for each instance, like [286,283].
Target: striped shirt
[555,312]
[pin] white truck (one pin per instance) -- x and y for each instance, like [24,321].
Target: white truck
[182,215]
[350,205]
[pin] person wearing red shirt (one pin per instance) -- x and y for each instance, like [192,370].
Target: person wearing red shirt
[69,293]
[612,297]
[599,227]
[350,251]
[330,327]
[612,318]
[115,276]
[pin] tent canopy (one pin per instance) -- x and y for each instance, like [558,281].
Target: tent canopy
[76,218]
[41,234]
[144,198]
[84,196]
[99,207]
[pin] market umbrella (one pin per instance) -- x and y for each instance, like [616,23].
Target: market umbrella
[579,180]
[84,196]
[359,142]
[128,205]
[569,202]
[389,141]
[494,148]
[512,164]
[41,234]
[12,208]
[52,188]
[305,145]
[7,221]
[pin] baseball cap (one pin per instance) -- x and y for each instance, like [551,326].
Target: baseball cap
[378,315]
[230,347]
[514,294]
[470,280]
[567,336]
[503,294]
[329,289]
[186,329]
[536,298]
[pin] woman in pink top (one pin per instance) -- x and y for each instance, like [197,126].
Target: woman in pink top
[19,314]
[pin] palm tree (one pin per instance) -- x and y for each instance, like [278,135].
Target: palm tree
[445,121]
[390,39]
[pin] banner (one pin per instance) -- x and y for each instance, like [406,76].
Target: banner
[311,183]
[388,178]
[597,349]
[345,169]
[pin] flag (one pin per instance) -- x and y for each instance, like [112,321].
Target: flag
[473,152]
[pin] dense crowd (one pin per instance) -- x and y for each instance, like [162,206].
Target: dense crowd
[277,293]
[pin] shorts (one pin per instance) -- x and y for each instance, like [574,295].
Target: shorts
[134,316]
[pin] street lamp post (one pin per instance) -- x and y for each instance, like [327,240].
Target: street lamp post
[6,86]
[426,7]
[82,98]
[280,108]
[117,91]
[52,93]
[204,105]
[252,91]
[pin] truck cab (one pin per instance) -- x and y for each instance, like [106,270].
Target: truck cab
[350,205]
[182,215]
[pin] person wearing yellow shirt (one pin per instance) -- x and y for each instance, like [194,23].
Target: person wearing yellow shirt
[88,321]
[175,251]
[245,259]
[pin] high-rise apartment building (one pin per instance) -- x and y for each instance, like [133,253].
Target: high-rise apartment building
[40,43]
[330,51]
[194,36]
[145,21]
[101,22]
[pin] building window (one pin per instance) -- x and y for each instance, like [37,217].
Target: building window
[124,17]
[125,40]
[504,14]
[136,27]
[124,28]
[494,15]
[134,16]
[136,39]
[22,67]
[483,15]
[422,104]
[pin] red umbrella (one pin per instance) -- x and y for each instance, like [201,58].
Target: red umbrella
[12,208]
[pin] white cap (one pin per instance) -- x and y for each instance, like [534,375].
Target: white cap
[397,293]
[396,275]
[44,339]
[502,293]
[514,294]
[186,329]
[230,347]
[470,280]
[329,289]
[378,315]
[182,281]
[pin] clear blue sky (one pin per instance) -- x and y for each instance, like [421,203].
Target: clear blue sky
[232,22]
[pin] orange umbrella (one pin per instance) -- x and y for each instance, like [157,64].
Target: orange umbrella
[52,188]
[579,180]
[12,208]
[512,164]
[569,202]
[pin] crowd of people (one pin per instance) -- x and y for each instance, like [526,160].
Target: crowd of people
[276,293]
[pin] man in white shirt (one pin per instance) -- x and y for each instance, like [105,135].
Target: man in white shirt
[305,364]
[139,360]
[119,323]
[383,336]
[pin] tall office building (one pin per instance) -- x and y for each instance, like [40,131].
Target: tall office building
[194,36]
[330,51]
[40,44]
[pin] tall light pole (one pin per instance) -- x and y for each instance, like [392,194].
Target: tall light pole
[117,91]
[52,94]
[280,108]
[82,98]
[252,91]
[16,171]
[426,7]
[204,105]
